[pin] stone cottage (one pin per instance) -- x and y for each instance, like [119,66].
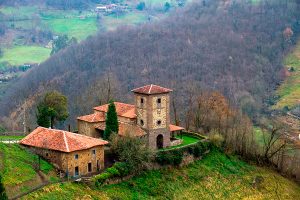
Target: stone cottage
[72,153]
[148,118]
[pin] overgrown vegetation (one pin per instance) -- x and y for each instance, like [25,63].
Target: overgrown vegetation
[216,176]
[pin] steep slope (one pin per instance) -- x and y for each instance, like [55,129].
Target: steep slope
[233,47]
[217,176]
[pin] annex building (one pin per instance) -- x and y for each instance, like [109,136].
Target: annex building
[71,153]
[148,118]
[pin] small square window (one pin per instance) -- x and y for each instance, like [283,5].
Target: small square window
[76,156]
[159,100]
[159,122]
[142,100]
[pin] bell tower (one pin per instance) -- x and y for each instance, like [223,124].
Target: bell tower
[152,104]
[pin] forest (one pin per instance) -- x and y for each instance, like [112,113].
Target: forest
[232,47]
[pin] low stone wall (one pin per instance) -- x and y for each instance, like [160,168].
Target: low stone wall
[176,142]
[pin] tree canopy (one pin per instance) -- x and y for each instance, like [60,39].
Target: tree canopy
[53,108]
[112,125]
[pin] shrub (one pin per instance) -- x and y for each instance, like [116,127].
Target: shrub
[123,168]
[217,139]
[113,171]
[101,178]
[197,151]
[172,157]
[177,157]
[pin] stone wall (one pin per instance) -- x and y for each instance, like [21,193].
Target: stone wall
[88,128]
[67,162]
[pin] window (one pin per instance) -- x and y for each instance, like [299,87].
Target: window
[142,100]
[89,167]
[159,100]
[158,122]
[93,152]
[76,156]
[76,171]
[47,154]
[142,122]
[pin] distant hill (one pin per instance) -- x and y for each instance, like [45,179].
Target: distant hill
[234,47]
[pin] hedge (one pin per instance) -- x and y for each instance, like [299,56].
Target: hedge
[119,169]
[175,156]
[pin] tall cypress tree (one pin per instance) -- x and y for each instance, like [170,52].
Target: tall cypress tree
[3,195]
[111,121]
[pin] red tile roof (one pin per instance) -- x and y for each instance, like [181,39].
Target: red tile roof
[123,109]
[96,117]
[175,128]
[151,89]
[125,128]
[60,140]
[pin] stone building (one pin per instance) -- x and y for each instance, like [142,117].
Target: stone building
[72,153]
[148,118]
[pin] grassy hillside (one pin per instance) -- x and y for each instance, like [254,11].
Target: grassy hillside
[217,176]
[19,55]
[19,169]
[289,91]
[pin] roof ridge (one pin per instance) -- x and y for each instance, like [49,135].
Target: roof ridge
[150,88]
[65,140]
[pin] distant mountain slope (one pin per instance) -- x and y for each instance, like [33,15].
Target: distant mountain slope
[234,47]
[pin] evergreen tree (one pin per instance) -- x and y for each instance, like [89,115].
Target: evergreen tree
[3,195]
[112,125]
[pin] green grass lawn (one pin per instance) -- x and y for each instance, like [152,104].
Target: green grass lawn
[19,55]
[112,22]
[73,27]
[289,91]
[187,140]
[7,137]
[217,176]
[17,167]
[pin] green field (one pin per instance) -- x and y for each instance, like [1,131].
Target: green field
[217,176]
[289,91]
[6,137]
[18,168]
[112,22]
[19,55]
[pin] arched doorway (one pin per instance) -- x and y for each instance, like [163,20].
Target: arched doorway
[160,141]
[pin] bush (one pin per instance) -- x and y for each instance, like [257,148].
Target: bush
[123,168]
[101,178]
[217,139]
[172,157]
[113,171]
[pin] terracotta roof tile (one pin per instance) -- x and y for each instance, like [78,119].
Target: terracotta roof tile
[175,128]
[123,109]
[125,128]
[60,140]
[151,89]
[96,117]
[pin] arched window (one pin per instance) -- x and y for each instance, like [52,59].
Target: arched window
[142,122]
[158,122]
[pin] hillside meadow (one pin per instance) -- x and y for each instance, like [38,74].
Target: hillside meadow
[217,176]
[19,168]
[289,90]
